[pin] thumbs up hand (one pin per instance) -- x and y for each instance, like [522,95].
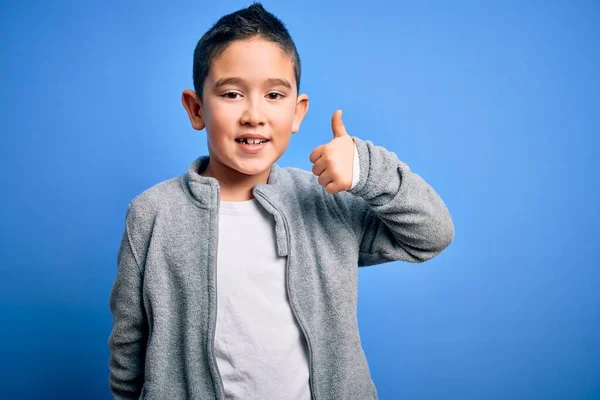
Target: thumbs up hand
[333,162]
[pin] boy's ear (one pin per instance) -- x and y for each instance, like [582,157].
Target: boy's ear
[300,112]
[193,106]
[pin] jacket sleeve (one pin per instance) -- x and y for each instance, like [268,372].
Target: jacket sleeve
[127,341]
[395,213]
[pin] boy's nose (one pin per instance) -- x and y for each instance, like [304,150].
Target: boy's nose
[252,115]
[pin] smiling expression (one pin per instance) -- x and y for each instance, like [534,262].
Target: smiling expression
[250,91]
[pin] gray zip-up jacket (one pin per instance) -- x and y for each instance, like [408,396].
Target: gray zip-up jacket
[163,299]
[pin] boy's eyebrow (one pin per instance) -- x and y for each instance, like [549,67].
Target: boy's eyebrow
[279,82]
[228,81]
[233,80]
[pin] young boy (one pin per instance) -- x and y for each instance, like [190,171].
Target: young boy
[280,321]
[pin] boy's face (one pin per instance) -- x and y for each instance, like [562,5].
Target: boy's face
[250,89]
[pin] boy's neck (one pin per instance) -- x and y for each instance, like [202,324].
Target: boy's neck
[235,186]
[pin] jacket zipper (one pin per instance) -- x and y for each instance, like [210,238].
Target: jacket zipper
[287,283]
[214,327]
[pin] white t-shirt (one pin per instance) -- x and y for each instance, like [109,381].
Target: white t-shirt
[260,349]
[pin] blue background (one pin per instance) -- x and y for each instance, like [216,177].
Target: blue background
[495,104]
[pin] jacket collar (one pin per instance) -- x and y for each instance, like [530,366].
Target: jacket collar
[204,190]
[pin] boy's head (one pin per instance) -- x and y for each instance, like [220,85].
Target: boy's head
[246,81]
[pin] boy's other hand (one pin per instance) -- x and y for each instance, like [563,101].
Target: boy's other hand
[333,162]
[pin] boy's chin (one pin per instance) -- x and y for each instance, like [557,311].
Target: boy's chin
[254,168]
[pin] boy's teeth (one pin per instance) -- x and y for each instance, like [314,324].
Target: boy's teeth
[252,141]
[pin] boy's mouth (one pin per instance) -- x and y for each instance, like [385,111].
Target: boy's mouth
[252,145]
[251,141]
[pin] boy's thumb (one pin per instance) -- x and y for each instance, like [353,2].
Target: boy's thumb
[337,125]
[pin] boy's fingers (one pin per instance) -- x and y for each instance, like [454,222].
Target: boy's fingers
[319,167]
[316,154]
[331,188]
[337,125]
[325,178]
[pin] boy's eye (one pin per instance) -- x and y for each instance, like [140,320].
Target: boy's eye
[230,95]
[274,96]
